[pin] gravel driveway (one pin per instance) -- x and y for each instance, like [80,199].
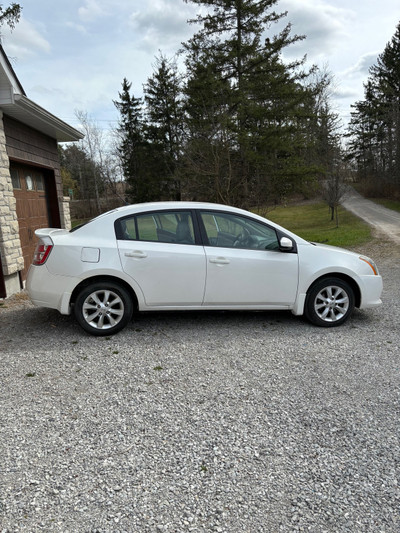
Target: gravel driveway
[385,221]
[227,422]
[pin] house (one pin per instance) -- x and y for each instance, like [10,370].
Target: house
[31,194]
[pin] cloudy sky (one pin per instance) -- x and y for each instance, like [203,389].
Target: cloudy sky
[73,54]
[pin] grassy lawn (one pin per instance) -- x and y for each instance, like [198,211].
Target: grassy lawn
[386,202]
[312,222]
[390,204]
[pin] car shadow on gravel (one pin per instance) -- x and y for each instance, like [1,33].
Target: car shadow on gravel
[242,322]
[40,321]
[43,319]
[212,320]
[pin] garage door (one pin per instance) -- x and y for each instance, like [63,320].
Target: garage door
[32,210]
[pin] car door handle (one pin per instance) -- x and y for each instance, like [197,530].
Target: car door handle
[220,261]
[136,253]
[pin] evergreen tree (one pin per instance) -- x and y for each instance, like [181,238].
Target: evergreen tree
[138,157]
[245,101]
[362,147]
[374,129]
[386,74]
[210,146]
[164,125]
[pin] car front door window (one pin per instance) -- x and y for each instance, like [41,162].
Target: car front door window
[233,231]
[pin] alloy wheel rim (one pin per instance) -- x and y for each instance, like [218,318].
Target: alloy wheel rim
[331,303]
[103,309]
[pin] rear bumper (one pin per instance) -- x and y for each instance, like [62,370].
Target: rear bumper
[48,290]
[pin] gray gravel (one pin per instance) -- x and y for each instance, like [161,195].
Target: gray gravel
[225,422]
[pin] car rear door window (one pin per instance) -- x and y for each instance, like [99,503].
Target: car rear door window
[165,226]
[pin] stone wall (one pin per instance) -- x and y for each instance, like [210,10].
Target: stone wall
[65,214]
[10,244]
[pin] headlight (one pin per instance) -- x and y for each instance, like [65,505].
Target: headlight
[370,263]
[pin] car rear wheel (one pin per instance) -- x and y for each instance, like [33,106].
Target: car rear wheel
[103,308]
[330,302]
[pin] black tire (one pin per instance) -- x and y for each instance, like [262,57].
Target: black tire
[330,302]
[103,308]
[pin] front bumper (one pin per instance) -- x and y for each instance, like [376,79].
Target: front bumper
[371,291]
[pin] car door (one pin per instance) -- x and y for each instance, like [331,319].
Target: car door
[159,251]
[245,266]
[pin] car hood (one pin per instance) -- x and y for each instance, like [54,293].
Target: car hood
[337,249]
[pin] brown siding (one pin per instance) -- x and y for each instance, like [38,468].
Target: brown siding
[26,145]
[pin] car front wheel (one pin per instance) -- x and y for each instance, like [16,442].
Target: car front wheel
[103,308]
[330,302]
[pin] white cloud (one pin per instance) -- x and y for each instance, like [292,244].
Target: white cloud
[25,40]
[343,93]
[363,65]
[77,27]
[91,11]
[162,23]
[324,25]
[40,91]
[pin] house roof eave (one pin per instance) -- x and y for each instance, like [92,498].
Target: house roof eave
[28,112]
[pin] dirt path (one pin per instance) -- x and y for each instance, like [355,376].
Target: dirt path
[382,219]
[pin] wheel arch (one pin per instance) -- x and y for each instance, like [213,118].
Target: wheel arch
[344,277]
[104,278]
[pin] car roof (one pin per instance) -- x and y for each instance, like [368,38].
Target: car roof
[150,206]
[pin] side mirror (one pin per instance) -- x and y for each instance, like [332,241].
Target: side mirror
[286,244]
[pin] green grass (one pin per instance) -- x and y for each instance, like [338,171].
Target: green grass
[312,222]
[390,204]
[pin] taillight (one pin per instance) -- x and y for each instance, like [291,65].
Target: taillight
[42,252]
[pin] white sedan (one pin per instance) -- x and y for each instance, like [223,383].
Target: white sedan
[191,256]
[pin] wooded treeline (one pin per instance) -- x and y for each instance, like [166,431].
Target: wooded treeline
[374,132]
[230,121]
